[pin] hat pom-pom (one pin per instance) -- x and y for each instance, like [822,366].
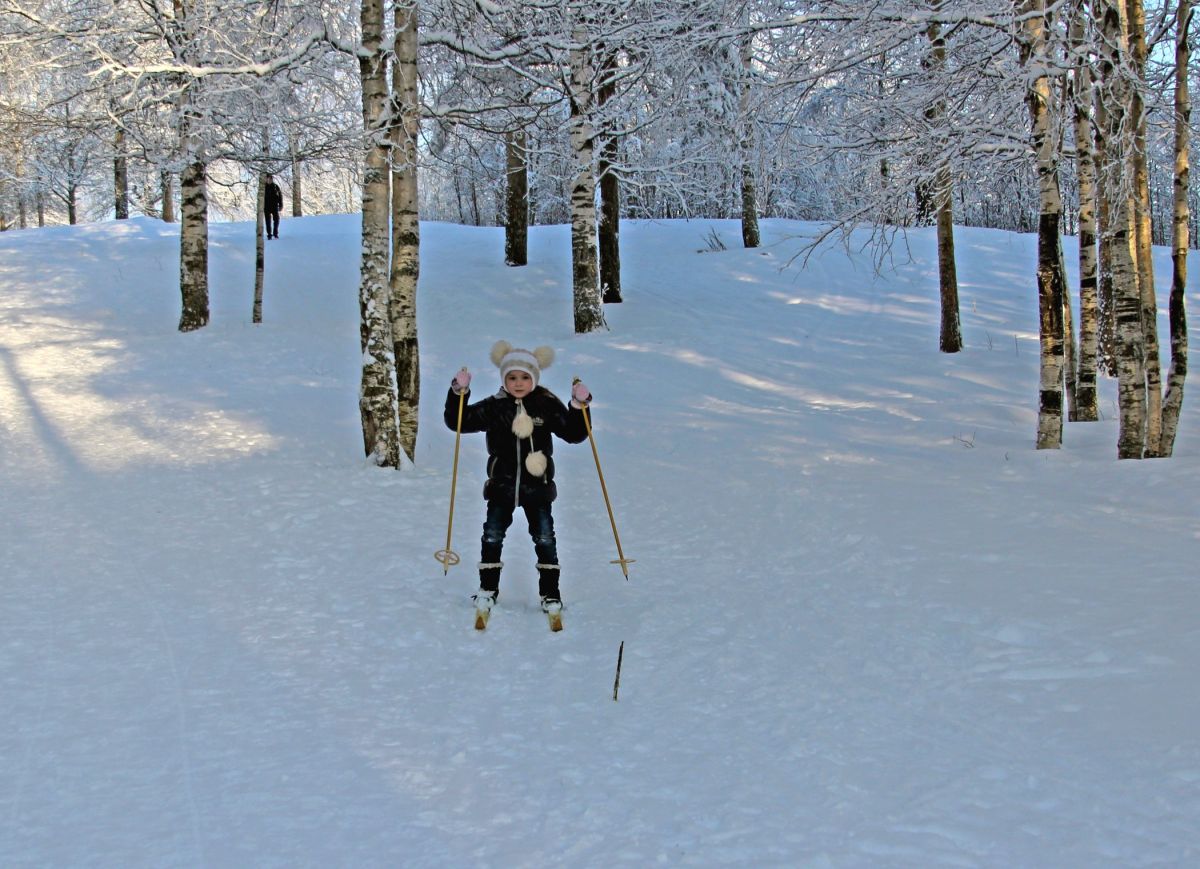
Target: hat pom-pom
[544,356]
[535,463]
[499,351]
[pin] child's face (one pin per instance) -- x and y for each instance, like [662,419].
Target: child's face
[518,384]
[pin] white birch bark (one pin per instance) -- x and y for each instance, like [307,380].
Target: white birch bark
[406,232]
[1136,26]
[377,394]
[193,199]
[1173,400]
[260,258]
[1050,278]
[1106,330]
[260,252]
[193,246]
[589,315]
[1070,368]
[1086,407]
[1117,235]
[259,248]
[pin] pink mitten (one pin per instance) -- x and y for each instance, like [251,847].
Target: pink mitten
[461,382]
[581,393]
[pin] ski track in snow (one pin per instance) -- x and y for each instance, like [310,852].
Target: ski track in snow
[868,624]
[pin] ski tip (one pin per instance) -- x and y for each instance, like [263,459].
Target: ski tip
[481,620]
[555,620]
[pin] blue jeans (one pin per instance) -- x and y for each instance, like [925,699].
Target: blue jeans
[500,517]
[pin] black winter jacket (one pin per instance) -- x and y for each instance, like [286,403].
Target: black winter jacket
[272,198]
[506,454]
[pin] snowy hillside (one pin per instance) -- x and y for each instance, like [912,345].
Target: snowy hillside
[868,624]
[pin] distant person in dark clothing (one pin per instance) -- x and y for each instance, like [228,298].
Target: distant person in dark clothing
[272,203]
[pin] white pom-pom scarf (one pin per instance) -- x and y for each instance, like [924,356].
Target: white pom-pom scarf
[535,463]
[522,427]
[522,424]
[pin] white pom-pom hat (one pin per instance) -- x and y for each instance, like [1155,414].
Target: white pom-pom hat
[508,358]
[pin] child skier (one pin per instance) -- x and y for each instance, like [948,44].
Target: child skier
[519,421]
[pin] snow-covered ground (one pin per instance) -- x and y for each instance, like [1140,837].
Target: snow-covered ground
[868,625]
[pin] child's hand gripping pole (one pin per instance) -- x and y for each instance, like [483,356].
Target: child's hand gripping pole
[621,559]
[448,557]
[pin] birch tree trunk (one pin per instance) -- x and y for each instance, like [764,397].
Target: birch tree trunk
[260,259]
[1106,330]
[1117,232]
[168,197]
[377,394]
[297,200]
[1050,278]
[1136,26]
[193,194]
[1173,401]
[259,248]
[589,316]
[610,194]
[193,232]
[22,195]
[610,225]
[193,246]
[406,231]
[120,176]
[950,337]
[1086,406]
[746,146]
[516,200]
[1070,367]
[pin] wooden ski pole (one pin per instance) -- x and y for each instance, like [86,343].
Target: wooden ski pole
[621,559]
[448,557]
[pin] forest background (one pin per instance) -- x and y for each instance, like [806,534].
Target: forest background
[1054,117]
